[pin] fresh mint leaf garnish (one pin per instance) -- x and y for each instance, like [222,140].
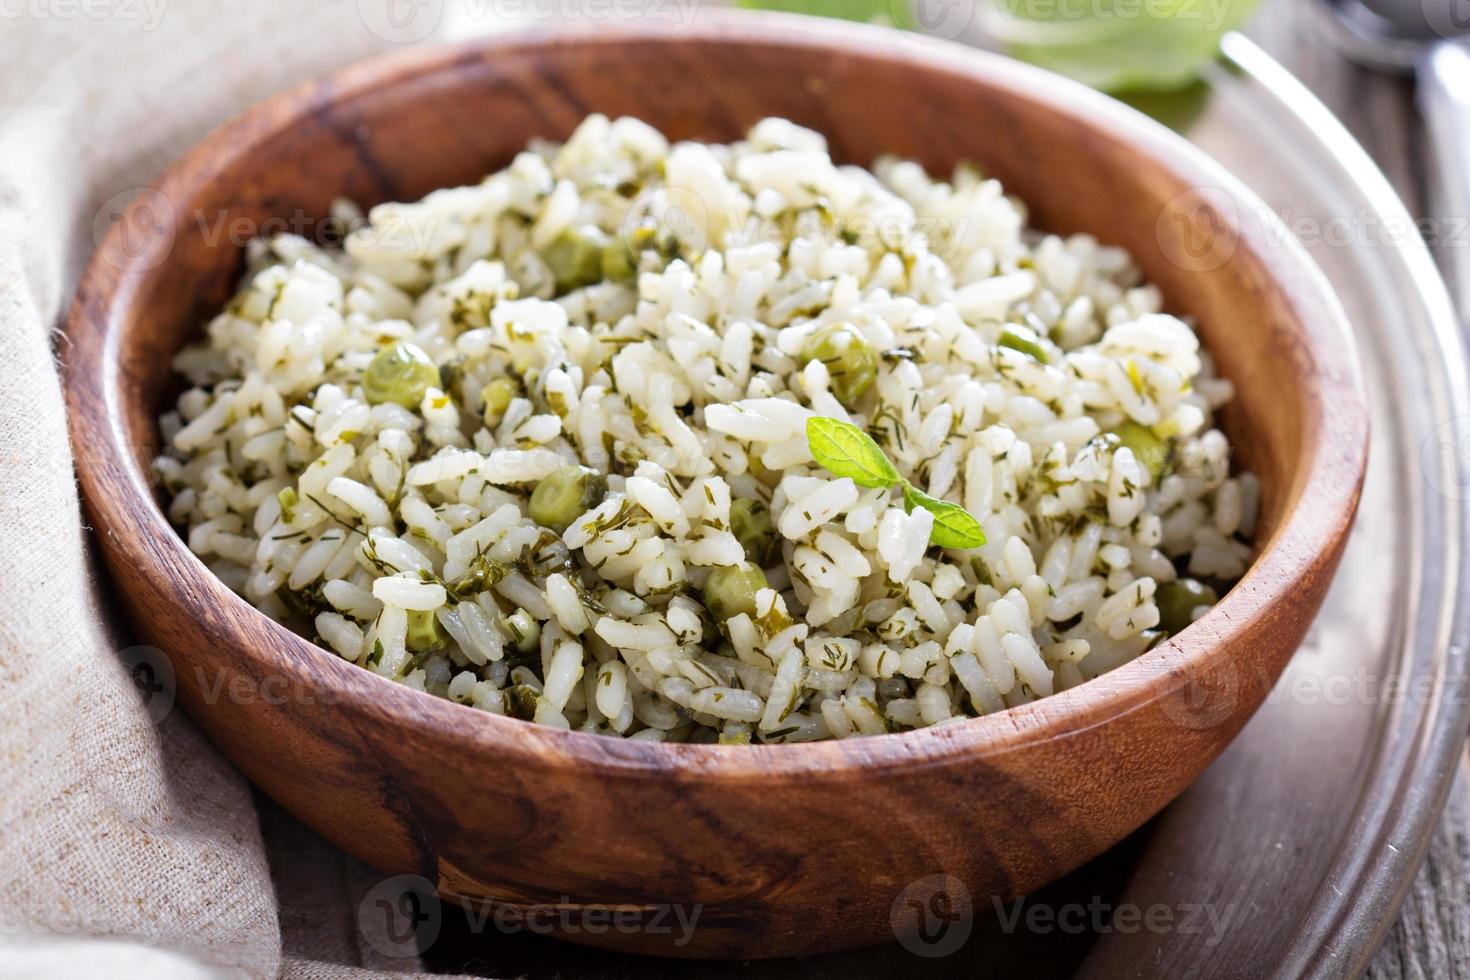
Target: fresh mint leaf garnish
[843,449]
[954,527]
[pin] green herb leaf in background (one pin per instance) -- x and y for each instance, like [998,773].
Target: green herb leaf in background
[843,449]
[1113,45]
[1117,45]
[897,13]
[954,527]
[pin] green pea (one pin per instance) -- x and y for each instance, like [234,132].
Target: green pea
[1148,447]
[730,590]
[1025,340]
[424,632]
[750,522]
[401,374]
[850,360]
[619,263]
[575,257]
[498,395]
[520,702]
[1178,600]
[566,495]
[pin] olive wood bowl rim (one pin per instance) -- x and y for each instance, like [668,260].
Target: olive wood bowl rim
[1302,542]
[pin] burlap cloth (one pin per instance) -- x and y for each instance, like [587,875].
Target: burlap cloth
[129,848]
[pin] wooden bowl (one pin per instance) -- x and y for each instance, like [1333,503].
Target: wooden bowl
[781,849]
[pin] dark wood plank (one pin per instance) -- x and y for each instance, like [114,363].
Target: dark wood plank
[1432,936]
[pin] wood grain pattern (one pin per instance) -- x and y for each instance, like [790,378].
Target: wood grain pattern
[787,849]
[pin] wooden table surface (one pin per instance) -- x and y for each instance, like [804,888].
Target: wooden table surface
[1432,936]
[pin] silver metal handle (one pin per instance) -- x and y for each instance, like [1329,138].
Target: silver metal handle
[1444,99]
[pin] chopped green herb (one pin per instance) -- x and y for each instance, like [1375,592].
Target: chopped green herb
[287,498]
[1023,339]
[954,527]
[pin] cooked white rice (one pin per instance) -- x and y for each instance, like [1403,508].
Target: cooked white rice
[373,526]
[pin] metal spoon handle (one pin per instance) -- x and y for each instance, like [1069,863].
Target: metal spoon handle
[1444,99]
